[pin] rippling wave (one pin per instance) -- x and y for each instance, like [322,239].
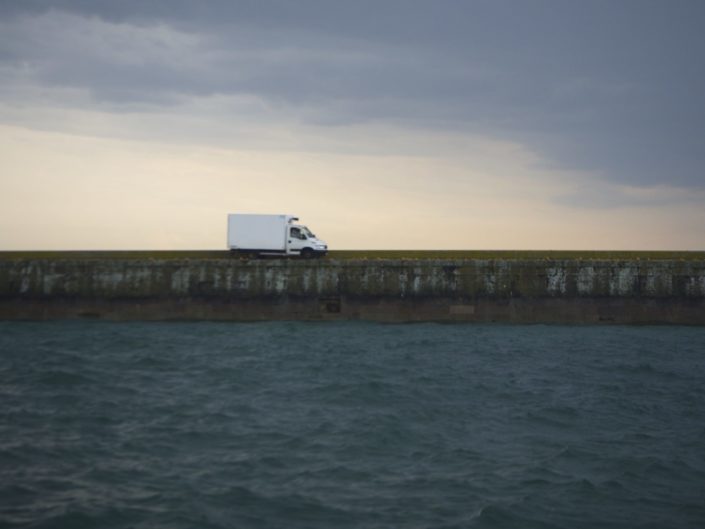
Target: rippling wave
[350,425]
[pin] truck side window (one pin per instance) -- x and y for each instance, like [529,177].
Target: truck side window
[294,233]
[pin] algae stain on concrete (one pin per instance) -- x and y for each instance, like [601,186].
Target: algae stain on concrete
[556,281]
[623,280]
[180,279]
[585,283]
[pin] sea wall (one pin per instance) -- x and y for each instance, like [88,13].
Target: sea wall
[226,288]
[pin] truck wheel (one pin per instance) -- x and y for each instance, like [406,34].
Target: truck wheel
[307,253]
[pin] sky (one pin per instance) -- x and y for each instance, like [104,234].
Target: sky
[385,124]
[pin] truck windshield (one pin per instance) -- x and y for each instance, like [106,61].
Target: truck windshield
[307,232]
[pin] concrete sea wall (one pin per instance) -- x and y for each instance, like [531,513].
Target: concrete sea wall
[216,286]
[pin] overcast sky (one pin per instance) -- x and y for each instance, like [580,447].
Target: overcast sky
[382,124]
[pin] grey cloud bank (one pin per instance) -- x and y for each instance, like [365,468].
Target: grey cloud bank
[615,88]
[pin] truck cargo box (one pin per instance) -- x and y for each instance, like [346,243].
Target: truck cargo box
[257,232]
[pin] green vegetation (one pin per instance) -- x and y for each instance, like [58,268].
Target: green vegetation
[369,254]
[116,254]
[513,254]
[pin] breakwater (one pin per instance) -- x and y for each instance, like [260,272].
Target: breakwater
[560,287]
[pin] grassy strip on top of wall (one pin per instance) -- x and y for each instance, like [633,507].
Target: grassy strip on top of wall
[513,254]
[367,254]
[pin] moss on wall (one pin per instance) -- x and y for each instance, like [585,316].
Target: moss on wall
[136,278]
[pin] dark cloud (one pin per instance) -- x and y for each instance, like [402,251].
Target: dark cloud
[611,87]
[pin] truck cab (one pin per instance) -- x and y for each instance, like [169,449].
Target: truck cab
[302,241]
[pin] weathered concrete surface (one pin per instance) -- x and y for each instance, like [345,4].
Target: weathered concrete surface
[225,288]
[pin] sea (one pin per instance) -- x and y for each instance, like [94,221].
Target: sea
[351,425]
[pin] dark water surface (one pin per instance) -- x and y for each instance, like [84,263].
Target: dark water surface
[297,425]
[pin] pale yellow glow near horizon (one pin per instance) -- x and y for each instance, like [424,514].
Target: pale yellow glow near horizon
[68,192]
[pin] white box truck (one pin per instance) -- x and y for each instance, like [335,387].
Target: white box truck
[272,235]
